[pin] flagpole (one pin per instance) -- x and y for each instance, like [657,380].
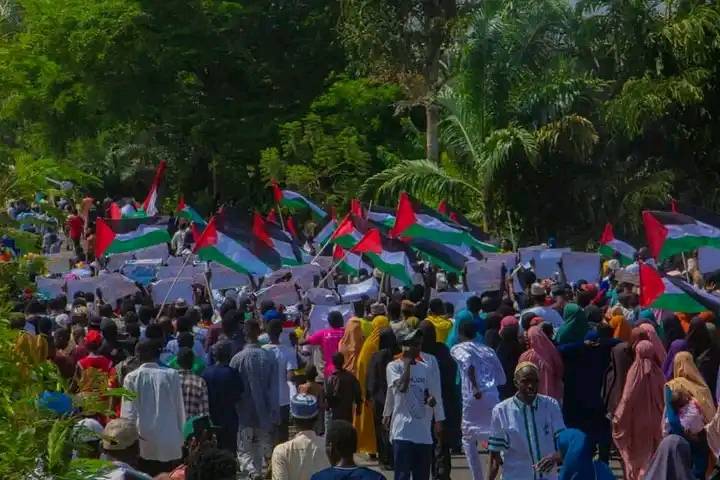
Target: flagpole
[327,275]
[207,285]
[687,274]
[382,285]
[282,224]
[322,246]
[187,259]
[512,233]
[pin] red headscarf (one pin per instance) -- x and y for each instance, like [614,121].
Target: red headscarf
[543,353]
[637,423]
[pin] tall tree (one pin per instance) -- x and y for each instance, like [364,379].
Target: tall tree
[408,42]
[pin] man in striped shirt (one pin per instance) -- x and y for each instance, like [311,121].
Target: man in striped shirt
[523,431]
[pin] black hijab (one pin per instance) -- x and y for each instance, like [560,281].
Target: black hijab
[621,358]
[508,351]
[672,330]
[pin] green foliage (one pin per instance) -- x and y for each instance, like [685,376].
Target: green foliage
[114,86]
[341,141]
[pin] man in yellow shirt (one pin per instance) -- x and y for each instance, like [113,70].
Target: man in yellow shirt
[436,316]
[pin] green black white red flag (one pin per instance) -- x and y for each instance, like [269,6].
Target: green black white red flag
[129,234]
[670,233]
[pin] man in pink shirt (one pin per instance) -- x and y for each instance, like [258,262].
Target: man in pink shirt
[328,340]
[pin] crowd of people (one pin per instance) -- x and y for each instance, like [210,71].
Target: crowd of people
[541,383]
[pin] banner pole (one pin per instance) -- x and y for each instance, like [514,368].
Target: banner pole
[187,259]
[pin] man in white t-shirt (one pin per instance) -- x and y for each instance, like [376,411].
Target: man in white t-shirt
[524,428]
[413,398]
[549,315]
[287,362]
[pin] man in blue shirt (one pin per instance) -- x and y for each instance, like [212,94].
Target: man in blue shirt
[224,390]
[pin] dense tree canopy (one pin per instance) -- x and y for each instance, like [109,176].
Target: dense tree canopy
[552,116]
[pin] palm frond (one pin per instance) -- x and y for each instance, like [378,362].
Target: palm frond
[505,145]
[573,136]
[421,178]
[463,128]
[694,37]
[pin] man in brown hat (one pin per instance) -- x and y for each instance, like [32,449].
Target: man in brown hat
[120,446]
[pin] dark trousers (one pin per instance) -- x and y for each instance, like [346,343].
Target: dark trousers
[227,439]
[382,437]
[282,430]
[442,459]
[154,467]
[412,460]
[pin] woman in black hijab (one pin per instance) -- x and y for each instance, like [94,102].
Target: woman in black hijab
[508,351]
[377,389]
[671,330]
[704,351]
[451,397]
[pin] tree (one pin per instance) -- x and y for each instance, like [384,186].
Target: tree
[348,133]
[115,86]
[408,42]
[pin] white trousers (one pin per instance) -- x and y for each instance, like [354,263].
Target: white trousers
[254,451]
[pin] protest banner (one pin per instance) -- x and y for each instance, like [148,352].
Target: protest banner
[322,296]
[457,299]
[483,276]
[183,288]
[76,285]
[222,277]
[356,291]
[319,313]
[196,272]
[708,259]
[283,293]
[546,262]
[50,287]
[156,251]
[581,266]
[143,272]
[115,286]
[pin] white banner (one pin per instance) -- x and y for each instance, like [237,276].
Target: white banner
[319,313]
[546,262]
[50,287]
[581,266]
[283,293]
[182,289]
[356,291]
[483,276]
[458,299]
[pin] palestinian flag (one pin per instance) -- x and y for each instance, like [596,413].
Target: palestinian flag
[271,216]
[323,236]
[414,220]
[613,248]
[188,213]
[295,201]
[129,234]
[349,262]
[356,208]
[275,238]
[658,291]
[448,257]
[382,218]
[114,212]
[670,233]
[236,224]
[387,255]
[216,246]
[151,201]
[461,219]
[348,233]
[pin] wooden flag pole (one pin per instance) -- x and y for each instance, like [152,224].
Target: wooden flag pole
[334,267]
[282,223]
[187,259]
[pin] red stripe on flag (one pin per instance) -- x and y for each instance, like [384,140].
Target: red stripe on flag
[104,236]
[655,232]
[277,192]
[370,243]
[607,235]
[259,231]
[651,285]
[405,216]
[208,237]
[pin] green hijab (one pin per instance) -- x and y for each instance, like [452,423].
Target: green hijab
[574,327]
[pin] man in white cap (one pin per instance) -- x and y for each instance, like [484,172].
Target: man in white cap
[304,455]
